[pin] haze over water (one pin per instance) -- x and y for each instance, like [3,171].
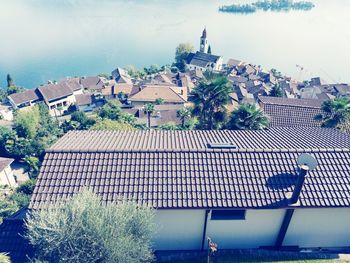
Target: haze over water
[49,39]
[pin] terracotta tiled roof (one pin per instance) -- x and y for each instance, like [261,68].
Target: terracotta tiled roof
[167,169]
[4,162]
[25,96]
[93,83]
[273,138]
[201,59]
[125,88]
[55,91]
[151,93]
[83,99]
[196,179]
[305,103]
[292,112]
[73,83]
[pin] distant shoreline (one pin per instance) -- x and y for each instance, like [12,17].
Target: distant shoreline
[266,5]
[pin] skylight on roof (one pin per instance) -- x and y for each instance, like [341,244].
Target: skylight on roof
[222,145]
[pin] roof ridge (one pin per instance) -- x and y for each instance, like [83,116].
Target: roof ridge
[171,88]
[160,150]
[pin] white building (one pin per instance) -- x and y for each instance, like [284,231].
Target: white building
[24,99]
[244,189]
[6,174]
[203,59]
[58,97]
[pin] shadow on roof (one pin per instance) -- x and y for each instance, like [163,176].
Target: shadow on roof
[282,181]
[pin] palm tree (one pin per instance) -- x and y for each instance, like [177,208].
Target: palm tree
[148,109]
[248,117]
[159,101]
[276,91]
[184,114]
[210,98]
[336,114]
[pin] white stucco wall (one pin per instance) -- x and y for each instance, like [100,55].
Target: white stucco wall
[7,178]
[260,228]
[179,229]
[69,100]
[324,227]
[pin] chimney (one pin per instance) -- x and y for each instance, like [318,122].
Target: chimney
[304,169]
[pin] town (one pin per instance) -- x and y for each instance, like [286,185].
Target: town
[222,155]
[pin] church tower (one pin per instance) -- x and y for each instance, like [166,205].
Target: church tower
[204,42]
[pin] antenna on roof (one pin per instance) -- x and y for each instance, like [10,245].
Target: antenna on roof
[307,163]
[308,160]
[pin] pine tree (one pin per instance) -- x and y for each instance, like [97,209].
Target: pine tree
[10,81]
[209,49]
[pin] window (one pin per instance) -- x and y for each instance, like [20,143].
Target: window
[228,215]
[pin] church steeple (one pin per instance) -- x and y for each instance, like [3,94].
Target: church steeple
[204,42]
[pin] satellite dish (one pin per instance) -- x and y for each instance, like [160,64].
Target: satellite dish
[308,160]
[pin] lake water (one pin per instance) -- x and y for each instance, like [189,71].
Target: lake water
[49,39]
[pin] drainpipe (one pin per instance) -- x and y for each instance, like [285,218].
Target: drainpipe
[304,169]
[284,227]
[205,228]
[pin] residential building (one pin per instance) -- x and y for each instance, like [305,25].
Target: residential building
[234,62]
[24,99]
[163,114]
[58,97]
[291,112]
[84,102]
[149,94]
[195,75]
[92,84]
[74,84]
[244,189]
[6,174]
[342,90]
[121,76]
[6,114]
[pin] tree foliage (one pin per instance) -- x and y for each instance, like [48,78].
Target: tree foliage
[107,124]
[185,116]
[151,70]
[27,123]
[84,230]
[336,114]
[248,117]
[82,119]
[33,165]
[148,109]
[159,101]
[112,111]
[210,97]
[34,131]
[10,81]
[170,126]
[14,89]
[181,53]
[276,91]
[7,208]
[27,187]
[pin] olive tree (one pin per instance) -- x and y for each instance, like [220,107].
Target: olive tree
[83,229]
